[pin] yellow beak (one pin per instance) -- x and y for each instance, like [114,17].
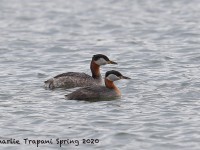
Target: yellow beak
[111,62]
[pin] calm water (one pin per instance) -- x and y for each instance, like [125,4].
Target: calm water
[155,42]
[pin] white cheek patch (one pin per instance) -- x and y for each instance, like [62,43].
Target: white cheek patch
[101,61]
[112,77]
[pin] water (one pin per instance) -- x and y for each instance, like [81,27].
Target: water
[155,42]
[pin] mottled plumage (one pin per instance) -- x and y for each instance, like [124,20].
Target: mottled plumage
[71,80]
[74,74]
[76,79]
[95,93]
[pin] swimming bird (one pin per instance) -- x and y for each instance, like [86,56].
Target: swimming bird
[77,79]
[95,93]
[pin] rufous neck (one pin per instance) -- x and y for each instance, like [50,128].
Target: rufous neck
[110,84]
[95,69]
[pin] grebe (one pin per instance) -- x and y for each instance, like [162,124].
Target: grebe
[94,93]
[76,79]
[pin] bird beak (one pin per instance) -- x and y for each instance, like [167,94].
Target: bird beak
[111,62]
[124,77]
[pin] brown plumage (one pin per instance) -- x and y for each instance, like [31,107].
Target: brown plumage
[95,93]
[76,79]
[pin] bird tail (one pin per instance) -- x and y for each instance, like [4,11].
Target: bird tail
[49,83]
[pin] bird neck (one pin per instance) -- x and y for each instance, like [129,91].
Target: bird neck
[110,84]
[95,69]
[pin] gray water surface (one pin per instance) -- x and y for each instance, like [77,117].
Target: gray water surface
[155,42]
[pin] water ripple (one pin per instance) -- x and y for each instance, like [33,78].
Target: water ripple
[156,43]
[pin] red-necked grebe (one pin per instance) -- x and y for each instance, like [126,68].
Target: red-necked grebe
[76,79]
[93,93]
